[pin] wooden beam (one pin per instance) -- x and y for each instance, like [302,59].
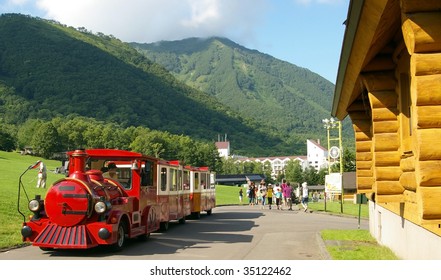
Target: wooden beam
[422,32]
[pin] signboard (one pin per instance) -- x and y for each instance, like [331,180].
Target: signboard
[333,183]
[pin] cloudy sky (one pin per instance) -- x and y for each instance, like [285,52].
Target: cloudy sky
[307,33]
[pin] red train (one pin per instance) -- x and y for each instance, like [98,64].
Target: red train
[87,209]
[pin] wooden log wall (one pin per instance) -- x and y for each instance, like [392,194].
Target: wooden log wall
[383,98]
[361,116]
[421,27]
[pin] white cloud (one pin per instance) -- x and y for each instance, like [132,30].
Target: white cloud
[155,20]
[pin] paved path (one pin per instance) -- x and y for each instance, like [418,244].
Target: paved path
[231,233]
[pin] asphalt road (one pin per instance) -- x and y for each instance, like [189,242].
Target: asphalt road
[230,233]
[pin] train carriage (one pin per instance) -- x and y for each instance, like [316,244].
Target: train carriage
[202,189]
[173,194]
[85,209]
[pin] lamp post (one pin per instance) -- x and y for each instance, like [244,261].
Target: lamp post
[334,151]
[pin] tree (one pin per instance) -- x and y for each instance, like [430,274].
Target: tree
[322,173]
[311,176]
[6,142]
[149,143]
[26,131]
[46,140]
[206,154]
[267,170]
[294,172]
[229,166]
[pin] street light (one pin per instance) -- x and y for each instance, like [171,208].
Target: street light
[334,151]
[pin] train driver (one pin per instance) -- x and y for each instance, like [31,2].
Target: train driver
[111,172]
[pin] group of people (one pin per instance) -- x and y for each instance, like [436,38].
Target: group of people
[282,195]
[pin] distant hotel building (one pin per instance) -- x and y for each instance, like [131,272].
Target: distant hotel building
[316,157]
[223,148]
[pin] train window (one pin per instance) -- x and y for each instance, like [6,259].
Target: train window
[186,179]
[212,181]
[173,179]
[180,180]
[163,179]
[196,181]
[147,174]
[125,177]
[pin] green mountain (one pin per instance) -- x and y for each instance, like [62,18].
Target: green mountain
[275,93]
[196,87]
[48,69]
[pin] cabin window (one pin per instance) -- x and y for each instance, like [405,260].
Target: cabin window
[180,180]
[204,181]
[163,179]
[212,181]
[147,174]
[405,112]
[174,179]
[125,177]
[196,181]
[186,179]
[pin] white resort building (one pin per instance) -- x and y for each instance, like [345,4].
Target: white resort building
[316,157]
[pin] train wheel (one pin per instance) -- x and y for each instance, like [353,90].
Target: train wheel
[164,226]
[120,239]
[182,220]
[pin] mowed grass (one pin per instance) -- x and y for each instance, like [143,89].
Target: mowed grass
[12,165]
[228,195]
[354,245]
[349,208]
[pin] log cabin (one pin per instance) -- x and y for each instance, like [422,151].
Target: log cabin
[389,85]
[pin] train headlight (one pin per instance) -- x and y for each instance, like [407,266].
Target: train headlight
[34,205]
[102,207]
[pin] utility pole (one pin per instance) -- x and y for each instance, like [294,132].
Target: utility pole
[334,151]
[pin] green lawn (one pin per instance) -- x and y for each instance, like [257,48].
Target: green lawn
[228,195]
[354,245]
[349,208]
[12,165]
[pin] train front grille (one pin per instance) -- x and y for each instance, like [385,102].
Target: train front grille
[54,236]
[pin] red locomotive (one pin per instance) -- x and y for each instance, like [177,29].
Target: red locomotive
[87,209]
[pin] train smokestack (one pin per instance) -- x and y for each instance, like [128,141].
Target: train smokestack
[78,165]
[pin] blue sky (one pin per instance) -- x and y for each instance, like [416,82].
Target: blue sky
[307,33]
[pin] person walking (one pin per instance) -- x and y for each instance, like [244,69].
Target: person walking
[263,192]
[287,194]
[283,186]
[278,196]
[251,194]
[42,175]
[269,195]
[305,196]
[240,195]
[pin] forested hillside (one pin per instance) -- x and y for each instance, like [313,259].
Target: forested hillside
[50,70]
[278,94]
